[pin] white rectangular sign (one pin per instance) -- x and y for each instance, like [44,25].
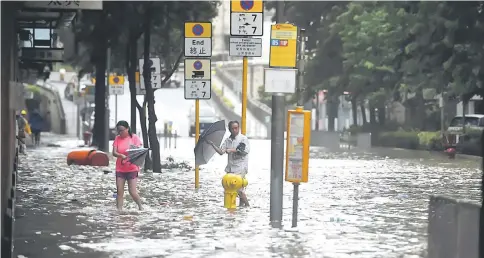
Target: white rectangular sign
[39,54]
[116,89]
[198,47]
[155,68]
[66,4]
[278,80]
[198,89]
[246,24]
[241,47]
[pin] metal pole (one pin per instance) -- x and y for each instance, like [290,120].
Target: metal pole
[245,65]
[302,54]
[295,204]
[300,103]
[116,108]
[197,134]
[78,111]
[277,146]
[442,114]
[106,125]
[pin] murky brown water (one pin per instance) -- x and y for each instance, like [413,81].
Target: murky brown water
[355,204]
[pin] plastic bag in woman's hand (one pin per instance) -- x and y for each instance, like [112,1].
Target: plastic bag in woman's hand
[132,146]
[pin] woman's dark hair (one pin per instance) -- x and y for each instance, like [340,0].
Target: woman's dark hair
[125,124]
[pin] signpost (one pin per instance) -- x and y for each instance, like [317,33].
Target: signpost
[246,20]
[39,54]
[66,5]
[116,87]
[155,67]
[139,91]
[197,66]
[297,152]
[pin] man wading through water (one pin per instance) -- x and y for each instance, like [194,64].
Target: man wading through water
[237,148]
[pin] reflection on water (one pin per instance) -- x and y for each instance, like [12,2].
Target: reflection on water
[356,204]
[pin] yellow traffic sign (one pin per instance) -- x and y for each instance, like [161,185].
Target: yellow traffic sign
[283,52]
[198,29]
[116,80]
[245,6]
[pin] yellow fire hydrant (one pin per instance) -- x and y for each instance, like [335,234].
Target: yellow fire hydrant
[232,183]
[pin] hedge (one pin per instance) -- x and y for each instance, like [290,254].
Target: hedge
[470,143]
[226,101]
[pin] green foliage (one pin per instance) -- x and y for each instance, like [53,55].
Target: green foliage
[393,51]
[121,20]
[399,139]
[33,88]
[430,140]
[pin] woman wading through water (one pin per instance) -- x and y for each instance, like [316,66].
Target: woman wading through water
[126,171]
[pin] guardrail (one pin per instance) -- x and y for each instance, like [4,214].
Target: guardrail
[229,64]
[258,109]
[226,112]
[57,101]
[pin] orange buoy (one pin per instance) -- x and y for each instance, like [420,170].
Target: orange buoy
[87,157]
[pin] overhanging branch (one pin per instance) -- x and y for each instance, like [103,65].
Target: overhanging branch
[175,67]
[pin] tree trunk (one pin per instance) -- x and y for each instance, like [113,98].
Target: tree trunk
[100,95]
[354,110]
[332,112]
[317,111]
[363,112]
[155,145]
[381,115]
[132,49]
[420,114]
[372,115]
[144,133]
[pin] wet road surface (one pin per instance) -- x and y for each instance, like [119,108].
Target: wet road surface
[356,204]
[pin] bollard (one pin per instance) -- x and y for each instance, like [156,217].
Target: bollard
[169,138]
[176,135]
[170,129]
[165,134]
[232,183]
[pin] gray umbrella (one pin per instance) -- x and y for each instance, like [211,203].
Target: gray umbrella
[203,150]
[136,156]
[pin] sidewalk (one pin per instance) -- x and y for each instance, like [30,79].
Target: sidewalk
[41,228]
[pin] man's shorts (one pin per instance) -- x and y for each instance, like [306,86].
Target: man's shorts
[127,175]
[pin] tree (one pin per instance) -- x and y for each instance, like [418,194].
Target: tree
[166,28]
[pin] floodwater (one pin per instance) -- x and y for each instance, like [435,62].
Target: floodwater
[356,204]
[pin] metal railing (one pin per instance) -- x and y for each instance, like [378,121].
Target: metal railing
[58,102]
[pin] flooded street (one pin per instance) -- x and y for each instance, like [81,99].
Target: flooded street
[356,204]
